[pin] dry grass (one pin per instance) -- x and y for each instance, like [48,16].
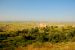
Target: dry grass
[48,46]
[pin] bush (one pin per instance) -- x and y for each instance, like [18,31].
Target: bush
[25,37]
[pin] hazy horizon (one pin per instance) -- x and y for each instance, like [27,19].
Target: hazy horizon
[37,10]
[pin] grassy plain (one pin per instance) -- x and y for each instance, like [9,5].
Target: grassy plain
[15,26]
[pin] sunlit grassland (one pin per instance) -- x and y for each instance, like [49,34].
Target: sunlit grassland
[49,46]
[22,25]
[15,33]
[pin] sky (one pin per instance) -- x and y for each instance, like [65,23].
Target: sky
[37,10]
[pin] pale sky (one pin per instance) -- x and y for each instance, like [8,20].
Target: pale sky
[37,10]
